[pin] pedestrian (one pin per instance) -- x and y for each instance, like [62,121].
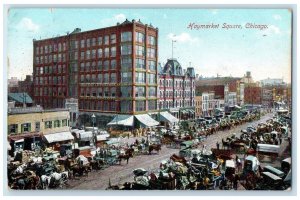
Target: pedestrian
[218,145]
[235,182]
[280,140]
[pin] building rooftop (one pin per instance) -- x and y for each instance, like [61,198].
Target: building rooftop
[78,30]
[216,81]
[33,110]
[174,68]
[20,97]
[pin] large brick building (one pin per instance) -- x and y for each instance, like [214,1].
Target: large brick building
[224,88]
[110,71]
[253,94]
[177,89]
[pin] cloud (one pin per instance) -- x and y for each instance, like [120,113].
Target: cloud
[277,17]
[274,29]
[183,38]
[120,17]
[27,24]
[113,20]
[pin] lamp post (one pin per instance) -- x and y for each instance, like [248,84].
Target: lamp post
[94,135]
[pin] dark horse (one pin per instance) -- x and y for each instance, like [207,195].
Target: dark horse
[156,147]
[126,156]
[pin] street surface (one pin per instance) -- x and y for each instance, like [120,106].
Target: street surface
[118,174]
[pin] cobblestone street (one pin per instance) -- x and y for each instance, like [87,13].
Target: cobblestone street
[122,173]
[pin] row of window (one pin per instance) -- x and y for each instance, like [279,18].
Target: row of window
[50,69]
[175,104]
[176,93]
[96,66]
[92,42]
[140,77]
[56,123]
[125,106]
[169,83]
[111,91]
[51,48]
[26,127]
[50,91]
[98,78]
[49,80]
[61,57]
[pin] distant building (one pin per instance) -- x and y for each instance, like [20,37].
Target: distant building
[20,99]
[272,82]
[253,95]
[229,89]
[27,127]
[26,85]
[177,89]
[198,106]
[72,105]
[13,81]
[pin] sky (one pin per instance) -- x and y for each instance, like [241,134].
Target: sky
[224,52]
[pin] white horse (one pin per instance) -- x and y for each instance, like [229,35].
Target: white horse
[60,178]
[20,169]
[45,181]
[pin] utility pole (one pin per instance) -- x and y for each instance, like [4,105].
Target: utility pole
[173,47]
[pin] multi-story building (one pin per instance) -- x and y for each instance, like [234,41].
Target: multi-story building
[29,126]
[222,86]
[17,86]
[253,94]
[177,89]
[198,106]
[110,71]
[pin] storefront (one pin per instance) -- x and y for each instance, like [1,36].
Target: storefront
[56,139]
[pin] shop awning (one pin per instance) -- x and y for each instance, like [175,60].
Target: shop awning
[58,137]
[101,137]
[166,116]
[191,111]
[123,120]
[77,132]
[86,136]
[146,120]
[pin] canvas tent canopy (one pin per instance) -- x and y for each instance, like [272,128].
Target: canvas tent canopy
[128,120]
[123,120]
[166,116]
[58,137]
[86,136]
[147,120]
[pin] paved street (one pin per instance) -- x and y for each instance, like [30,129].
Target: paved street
[122,173]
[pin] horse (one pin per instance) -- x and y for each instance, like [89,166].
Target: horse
[20,169]
[45,181]
[156,147]
[226,144]
[128,154]
[177,158]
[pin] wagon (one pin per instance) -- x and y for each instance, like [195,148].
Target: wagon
[268,150]
[275,171]
[272,182]
[111,157]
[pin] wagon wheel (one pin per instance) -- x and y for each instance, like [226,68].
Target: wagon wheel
[250,180]
[260,157]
